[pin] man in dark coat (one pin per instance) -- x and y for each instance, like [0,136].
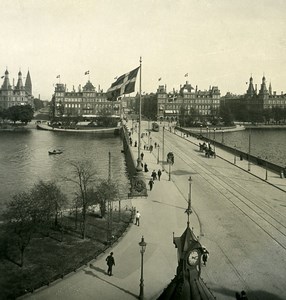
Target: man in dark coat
[110,262]
[159,174]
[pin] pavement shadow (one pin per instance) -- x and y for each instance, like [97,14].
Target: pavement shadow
[184,208]
[182,172]
[97,269]
[261,295]
[91,273]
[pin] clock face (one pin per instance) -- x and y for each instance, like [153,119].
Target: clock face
[193,257]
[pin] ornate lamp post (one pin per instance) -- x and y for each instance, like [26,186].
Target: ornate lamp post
[207,129]
[143,245]
[158,158]
[214,138]
[266,168]
[163,149]
[249,147]
[201,127]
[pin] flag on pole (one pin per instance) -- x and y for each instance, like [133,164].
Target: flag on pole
[187,74]
[125,84]
[172,98]
[159,79]
[58,76]
[86,73]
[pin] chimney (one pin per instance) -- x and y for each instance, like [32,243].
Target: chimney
[256,88]
[281,92]
[274,93]
[187,82]
[39,97]
[196,88]
[99,88]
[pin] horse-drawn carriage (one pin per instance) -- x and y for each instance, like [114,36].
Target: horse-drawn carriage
[207,149]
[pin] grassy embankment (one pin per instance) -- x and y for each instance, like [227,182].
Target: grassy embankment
[50,257]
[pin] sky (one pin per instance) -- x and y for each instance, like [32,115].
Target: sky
[216,42]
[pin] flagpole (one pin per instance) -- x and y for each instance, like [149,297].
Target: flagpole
[139,166]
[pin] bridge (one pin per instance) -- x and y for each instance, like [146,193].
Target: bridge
[236,214]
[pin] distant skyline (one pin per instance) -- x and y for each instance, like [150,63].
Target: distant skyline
[216,42]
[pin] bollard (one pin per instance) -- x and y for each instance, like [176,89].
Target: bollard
[282,174]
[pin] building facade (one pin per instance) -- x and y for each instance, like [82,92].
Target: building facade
[85,102]
[257,100]
[20,94]
[202,104]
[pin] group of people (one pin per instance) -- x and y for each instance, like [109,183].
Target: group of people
[154,177]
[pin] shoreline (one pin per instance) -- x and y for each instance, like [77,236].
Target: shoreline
[96,130]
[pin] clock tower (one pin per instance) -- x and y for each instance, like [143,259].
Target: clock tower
[188,283]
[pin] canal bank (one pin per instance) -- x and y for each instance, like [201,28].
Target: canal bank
[236,153]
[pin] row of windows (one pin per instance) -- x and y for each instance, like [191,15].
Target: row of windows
[192,102]
[188,107]
[80,100]
[88,106]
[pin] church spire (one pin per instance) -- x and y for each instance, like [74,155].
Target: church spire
[251,91]
[19,85]
[270,89]
[28,84]
[263,88]
[6,84]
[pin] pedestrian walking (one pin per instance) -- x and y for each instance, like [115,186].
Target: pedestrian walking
[155,145]
[137,218]
[151,148]
[110,263]
[205,256]
[146,168]
[154,175]
[151,183]
[142,156]
[159,174]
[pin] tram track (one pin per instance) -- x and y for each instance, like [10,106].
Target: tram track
[258,211]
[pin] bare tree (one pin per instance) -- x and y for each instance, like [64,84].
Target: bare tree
[83,176]
[106,191]
[20,222]
[48,200]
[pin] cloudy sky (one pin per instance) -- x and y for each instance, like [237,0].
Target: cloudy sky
[217,42]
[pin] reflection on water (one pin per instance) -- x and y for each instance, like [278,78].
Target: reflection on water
[270,143]
[24,159]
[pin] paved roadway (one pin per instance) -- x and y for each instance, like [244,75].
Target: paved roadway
[239,217]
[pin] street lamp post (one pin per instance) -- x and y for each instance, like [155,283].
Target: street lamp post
[214,138]
[158,158]
[143,245]
[222,137]
[163,149]
[266,169]
[249,147]
[201,127]
[234,160]
[169,171]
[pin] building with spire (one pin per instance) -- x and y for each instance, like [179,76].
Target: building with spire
[20,94]
[255,100]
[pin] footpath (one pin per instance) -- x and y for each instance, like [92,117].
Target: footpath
[162,213]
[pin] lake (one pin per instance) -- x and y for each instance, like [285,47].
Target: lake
[24,159]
